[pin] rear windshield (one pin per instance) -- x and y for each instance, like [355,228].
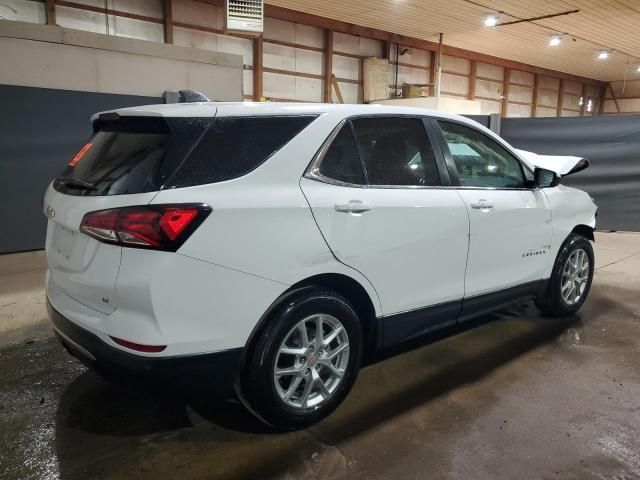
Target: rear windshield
[144,154]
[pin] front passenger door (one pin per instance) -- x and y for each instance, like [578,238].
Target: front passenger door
[509,219]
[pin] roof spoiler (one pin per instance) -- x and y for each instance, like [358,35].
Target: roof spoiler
[188,96]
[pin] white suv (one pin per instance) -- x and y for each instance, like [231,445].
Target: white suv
[267,249]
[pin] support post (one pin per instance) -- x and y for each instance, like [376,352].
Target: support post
[613,95]
[334,82]
[560,99]
[506,81]
[432,72]
[168,21]
[50,6]
[601,99]
[534,99]
[257,70]
[328,65]
[439,66]
[472,80]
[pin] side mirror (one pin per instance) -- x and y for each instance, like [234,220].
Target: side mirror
[545,178]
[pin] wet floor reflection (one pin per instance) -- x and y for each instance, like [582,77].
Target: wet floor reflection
[97,422]
[101,430]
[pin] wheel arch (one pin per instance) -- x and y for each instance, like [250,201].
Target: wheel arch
[346,286]
[584,230]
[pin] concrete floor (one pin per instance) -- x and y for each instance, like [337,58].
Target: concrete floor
[518,396]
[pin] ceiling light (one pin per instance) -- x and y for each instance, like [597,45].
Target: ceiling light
[603,54]
[638,69]
[555,40]
[491,20]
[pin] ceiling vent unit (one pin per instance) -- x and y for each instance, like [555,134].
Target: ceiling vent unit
[245,17]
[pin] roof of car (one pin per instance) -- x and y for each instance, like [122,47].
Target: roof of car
[226,109]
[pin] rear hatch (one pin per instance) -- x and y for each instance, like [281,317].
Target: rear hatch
[126,162]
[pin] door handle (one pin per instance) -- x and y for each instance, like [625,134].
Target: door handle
[482,204]
[354,206]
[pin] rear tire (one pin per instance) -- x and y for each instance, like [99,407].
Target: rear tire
[293,378]
[570,280]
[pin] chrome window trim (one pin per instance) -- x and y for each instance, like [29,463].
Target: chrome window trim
[313,170]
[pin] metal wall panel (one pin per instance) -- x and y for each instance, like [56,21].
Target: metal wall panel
[40,130]
[611,143]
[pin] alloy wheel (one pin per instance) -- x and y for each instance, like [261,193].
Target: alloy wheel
[311,361]
[574,276]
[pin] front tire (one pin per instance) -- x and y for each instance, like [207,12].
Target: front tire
[570,280]
[305,361]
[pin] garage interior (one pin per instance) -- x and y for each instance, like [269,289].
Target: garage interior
[514,395]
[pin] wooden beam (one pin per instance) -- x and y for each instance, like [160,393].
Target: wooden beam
[415,67]
[199,28]
[168,20]
[457,74]
[454,94]
[50,7]
[505,92]
[615,100]
[534,100]
[438,82]
[108,11]
[334,82]
[328,65]
[293,45]
[560,99]
[472,80]
[601,98]
[432,72]
[584,99]
[291,73]
[350,55]
[257,69]
[388,46]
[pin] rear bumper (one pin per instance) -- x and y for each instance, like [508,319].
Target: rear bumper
[213,372]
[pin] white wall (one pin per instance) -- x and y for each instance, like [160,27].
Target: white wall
[55,57]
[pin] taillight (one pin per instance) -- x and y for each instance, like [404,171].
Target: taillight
[158,227]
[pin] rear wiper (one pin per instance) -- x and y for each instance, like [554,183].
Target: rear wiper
[74,182]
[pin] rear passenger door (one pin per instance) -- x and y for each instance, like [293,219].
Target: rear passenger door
[376,192]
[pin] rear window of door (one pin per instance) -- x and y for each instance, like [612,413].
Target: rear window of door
[341,161]
[396,151]
[233,147]
[481,161]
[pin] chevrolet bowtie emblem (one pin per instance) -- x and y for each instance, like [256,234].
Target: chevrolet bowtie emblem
[50,212]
